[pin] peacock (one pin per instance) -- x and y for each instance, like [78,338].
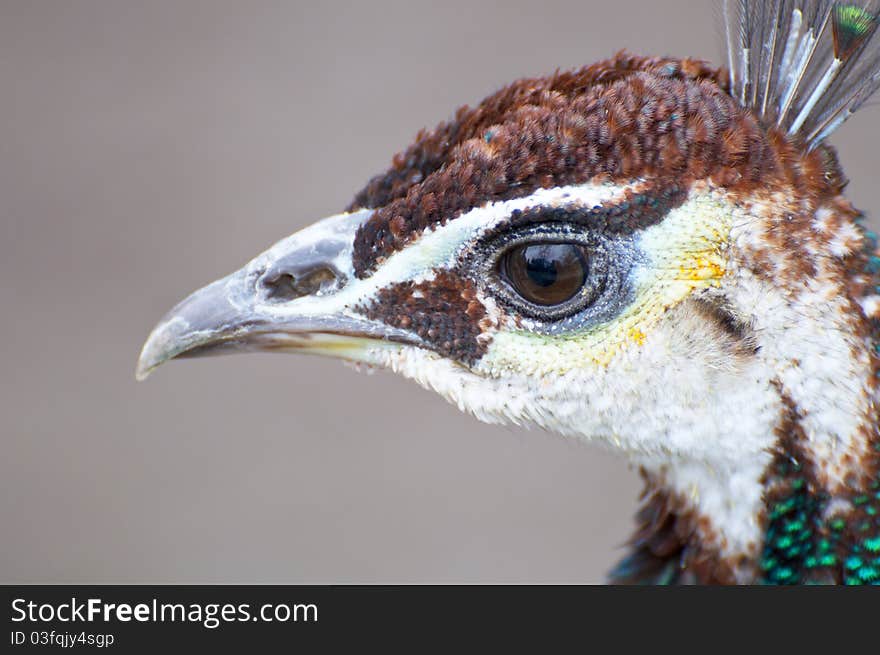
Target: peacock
[651,253]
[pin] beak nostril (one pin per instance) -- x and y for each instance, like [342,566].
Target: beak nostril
[314,282]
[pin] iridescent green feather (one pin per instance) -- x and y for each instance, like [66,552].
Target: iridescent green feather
[852,26]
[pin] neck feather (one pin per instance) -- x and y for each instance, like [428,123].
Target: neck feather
[808,533]
[806,508]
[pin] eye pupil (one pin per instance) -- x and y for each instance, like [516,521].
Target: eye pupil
[545,273]
[541,271]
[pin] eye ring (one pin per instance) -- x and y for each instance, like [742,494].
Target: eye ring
[486,261]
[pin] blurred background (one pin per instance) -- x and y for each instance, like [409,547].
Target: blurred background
[149,148]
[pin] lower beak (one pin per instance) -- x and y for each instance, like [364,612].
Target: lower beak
[241,312]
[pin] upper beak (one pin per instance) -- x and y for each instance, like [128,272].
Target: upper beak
[298,294]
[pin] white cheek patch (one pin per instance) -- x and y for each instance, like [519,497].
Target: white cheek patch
[439,247]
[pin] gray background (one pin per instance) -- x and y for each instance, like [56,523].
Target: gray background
[147,148]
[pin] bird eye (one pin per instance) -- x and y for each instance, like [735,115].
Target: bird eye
[552,276]
[545,274]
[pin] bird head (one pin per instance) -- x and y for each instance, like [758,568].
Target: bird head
[626,253]
[557,256]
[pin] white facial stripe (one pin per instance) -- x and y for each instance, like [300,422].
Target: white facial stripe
[435,248]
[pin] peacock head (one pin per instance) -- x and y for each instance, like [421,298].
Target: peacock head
[646,252]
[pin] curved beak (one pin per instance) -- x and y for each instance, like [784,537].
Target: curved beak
[298,295]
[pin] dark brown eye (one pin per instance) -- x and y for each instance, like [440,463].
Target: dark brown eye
[545,273]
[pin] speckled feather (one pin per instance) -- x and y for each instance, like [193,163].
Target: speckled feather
[619,119]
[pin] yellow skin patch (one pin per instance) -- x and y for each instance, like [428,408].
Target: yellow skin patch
[684,252]
[636,335]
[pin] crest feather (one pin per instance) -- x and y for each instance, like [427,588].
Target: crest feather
[804,66]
